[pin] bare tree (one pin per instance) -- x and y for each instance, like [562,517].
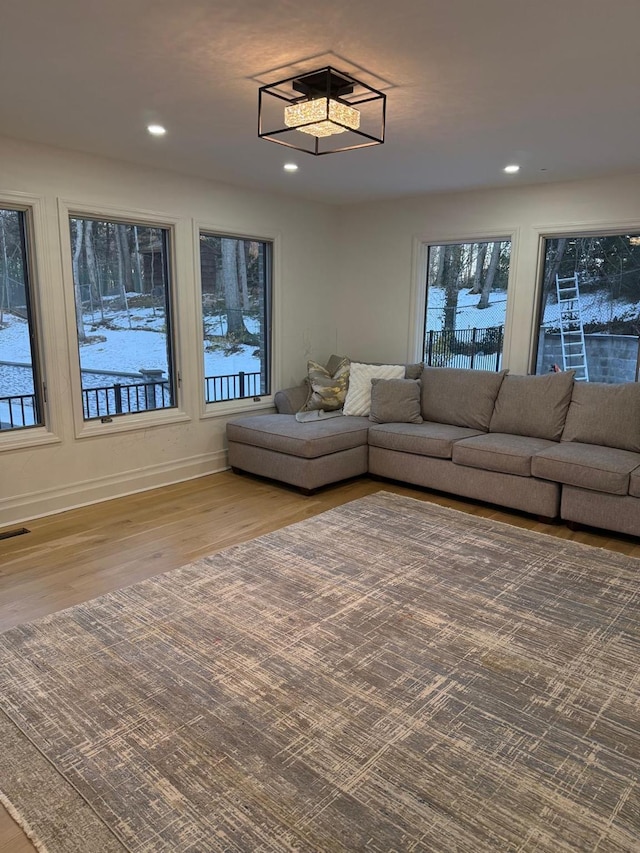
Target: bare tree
[450,281]
[242,273]
[487,284]
[77,248]
[124,267]
[136,254]
[92,266]
[5,297]
[124,257]
[479,270]
[235,323]
[436,263]
[551,271]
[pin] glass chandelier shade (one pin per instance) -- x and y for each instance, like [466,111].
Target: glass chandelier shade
[322,117]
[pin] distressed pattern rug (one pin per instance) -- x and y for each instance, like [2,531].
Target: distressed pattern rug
[387,676]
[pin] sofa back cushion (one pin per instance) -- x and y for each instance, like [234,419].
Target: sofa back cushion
[533,405]
[413,371]
[458,396]
[604,414]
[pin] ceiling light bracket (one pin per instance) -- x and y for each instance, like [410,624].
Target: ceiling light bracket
[323,84]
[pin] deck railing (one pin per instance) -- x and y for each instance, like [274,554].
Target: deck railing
[18,410]
[232,386]
[118,399]
[474,348]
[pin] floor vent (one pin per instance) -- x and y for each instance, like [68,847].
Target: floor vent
[17,532]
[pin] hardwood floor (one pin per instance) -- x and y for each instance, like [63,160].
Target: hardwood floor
[80,554]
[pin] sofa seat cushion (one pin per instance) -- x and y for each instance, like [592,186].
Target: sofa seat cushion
[508,454]
[589,466]
[285,434]
[634,483]
[425,439]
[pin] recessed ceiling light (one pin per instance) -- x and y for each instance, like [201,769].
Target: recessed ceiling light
[512,169]
[156,130]
[290,167]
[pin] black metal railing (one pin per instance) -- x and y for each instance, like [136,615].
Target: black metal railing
[474,348]
[232,386]
[17,411]
[121,399]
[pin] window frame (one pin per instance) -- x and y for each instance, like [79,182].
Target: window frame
[41,307]
[224,408]
[420,269]
[67,210]
[556,232]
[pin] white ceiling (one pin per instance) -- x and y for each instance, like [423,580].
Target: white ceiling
[472,85]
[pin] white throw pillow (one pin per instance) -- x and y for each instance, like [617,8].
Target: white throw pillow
[358,399]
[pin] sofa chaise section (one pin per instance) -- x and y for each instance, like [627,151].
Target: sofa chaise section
[308,455]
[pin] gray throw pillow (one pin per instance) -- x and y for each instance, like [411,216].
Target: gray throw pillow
[533,405]
[395,401]
[605,414]
[459,396]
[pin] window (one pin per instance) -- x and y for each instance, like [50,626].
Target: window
[590,307]
[236,313]
[466,304]
[123,317]
[20,385]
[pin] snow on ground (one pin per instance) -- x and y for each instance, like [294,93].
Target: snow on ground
[123,350]
[596,307]
[468,316]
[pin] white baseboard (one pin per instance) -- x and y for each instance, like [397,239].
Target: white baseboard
[15,510]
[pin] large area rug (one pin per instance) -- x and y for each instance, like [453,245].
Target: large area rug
[387,676]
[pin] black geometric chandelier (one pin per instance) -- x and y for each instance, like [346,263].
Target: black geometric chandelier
[322,112]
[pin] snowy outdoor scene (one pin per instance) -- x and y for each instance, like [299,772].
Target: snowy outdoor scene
[121,294]
[122,288]
[132,350]
[466,306]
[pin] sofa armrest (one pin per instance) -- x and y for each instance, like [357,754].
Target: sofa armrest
[291,400]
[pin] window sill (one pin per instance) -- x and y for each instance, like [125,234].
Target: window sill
[130,423]
[237,407]
[21,439]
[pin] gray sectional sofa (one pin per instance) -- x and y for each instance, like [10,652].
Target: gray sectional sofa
[545,445]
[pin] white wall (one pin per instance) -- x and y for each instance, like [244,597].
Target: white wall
[67,470]
[380,269]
